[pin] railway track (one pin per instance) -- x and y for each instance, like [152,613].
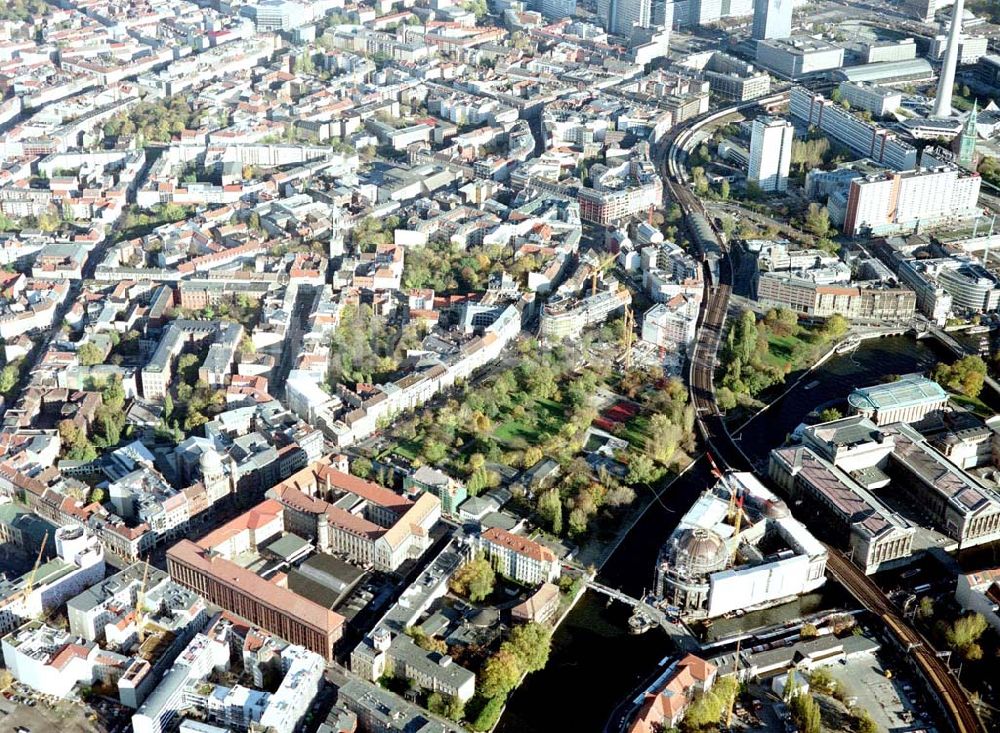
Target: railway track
[953,699]
[711,325]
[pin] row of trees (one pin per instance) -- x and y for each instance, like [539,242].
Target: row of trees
[524,652]
[708,708]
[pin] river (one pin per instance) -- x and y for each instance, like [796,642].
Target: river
[594,662]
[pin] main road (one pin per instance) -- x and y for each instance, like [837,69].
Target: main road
[715,305]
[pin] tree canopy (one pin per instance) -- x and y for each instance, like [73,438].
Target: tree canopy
[500,674]
[90,354]
[965,376]
[963,635]
[474,580]
[156,120]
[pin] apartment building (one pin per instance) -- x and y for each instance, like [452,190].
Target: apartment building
[770,153]
[620,192]
[216,368]
[565,317]
[889,203]
[867,139]
[672,325]
[808,297]
[517,557]
[49,660]
[79,563]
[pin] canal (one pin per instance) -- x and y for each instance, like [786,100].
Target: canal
[594,661]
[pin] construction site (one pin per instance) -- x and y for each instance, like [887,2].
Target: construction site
[737,549]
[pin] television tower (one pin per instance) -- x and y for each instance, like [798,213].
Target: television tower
[942,103]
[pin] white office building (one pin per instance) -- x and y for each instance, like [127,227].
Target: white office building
[703,12]
[556,9]
[770,153]
[772,19]
[620,16]
[891,203]
[880,101]
[798,56]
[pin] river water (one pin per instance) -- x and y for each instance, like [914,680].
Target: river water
[595,663]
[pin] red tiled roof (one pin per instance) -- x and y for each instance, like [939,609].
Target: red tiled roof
[520,545]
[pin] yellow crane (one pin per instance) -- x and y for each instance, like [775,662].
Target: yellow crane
[34,571]
[735,514]
[140,611]
[598,269]
[629,328]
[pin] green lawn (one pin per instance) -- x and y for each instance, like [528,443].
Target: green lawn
[637,431]
[549,413]
[797,349]
[407,449]
[973,403]
[784,348]
[514,429]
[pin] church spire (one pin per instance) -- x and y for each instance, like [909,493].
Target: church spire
[967,140]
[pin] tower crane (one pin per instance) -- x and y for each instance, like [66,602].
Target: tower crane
[598,269]
[629,328]
[34,571]
[140,612]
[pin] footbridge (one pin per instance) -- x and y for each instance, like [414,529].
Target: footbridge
[677,632]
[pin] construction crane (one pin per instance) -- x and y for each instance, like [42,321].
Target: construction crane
[598,269]
[34,571]
[735,513]
[140,613]
[629,327]
[737,521]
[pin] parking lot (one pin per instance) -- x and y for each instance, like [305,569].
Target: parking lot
[64,717]
[893,703]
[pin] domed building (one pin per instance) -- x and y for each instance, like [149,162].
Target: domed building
[213,475]
[738,548]
[687,560]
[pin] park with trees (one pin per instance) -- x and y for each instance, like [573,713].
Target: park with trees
[758,354]
[155,120]
[540,407]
